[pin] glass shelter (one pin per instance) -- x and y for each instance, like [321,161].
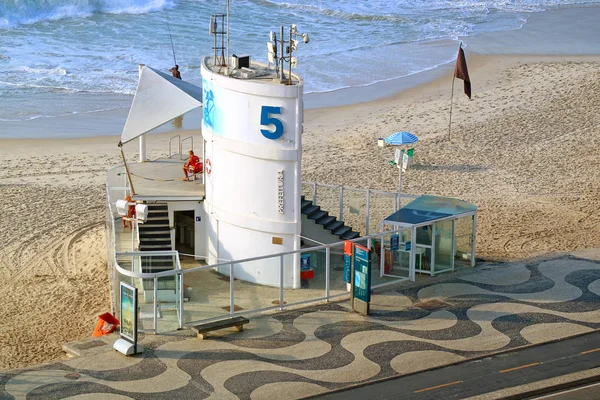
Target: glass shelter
[436,235]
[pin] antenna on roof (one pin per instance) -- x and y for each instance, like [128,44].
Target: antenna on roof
[287,48]
[219,28]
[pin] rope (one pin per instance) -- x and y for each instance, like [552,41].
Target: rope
[153,179]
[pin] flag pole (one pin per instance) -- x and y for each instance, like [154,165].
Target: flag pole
[452,94]
[451,98]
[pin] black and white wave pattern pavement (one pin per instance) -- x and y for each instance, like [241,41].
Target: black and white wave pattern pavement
[311,351]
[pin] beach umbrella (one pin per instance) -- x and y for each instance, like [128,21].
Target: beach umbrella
[400,138]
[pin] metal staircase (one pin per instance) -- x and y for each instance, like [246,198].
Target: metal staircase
[331,223]
[155,235]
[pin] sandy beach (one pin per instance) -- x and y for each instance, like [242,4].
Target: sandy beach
[524,150]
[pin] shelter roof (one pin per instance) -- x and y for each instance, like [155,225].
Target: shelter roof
[430,208]
[158,99]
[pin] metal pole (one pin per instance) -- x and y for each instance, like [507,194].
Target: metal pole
[341,203]
[281,282]
[181,299]
[231,289]
[142,138]
[327,270]
[400,176]
[227,37]
[127,169]
[315,193]
[282,41]
[290,61]
[155,303]
[368,210]
[451,98]
[473,237]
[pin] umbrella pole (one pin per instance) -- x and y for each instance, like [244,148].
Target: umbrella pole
[399,179]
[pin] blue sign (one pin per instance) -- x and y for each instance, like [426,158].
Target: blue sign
[395,242]
[305,262]
[362,273]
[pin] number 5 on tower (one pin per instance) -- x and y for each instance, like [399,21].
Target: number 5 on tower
[266,119]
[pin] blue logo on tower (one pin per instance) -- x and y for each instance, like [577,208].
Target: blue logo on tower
[208,102]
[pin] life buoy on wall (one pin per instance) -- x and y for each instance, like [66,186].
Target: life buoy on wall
[208,166]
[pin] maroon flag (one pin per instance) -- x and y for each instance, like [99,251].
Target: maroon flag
[461,72]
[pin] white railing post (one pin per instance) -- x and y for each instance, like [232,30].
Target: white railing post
[181,298]
[314,199]
[368,211]
[281,282]
[395,203]
[327,270]
[341,203]
[155,304]
[231,289]
[473,238]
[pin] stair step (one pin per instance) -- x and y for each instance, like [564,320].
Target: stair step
[334,225]
[341,230]
[157,218]
[154,240]
[155,233]
[154,247]
[305,204]
[310,210]
[350,235]
[325,220]
[318,215]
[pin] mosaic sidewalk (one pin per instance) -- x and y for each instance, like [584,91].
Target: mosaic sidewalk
[307,352]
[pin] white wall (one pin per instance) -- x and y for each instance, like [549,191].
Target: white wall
[244,189]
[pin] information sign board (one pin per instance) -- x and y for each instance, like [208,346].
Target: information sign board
[362,273]
[394,242]
[129,313]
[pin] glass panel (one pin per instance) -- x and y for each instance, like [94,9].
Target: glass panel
[307,191]
[463,241]
[390,261]
[311,278]
[380,207]
[336,260]
[168,303]
[329,200]
[145,289]
[443,246]
[355,210]
[424,235]
[206,294]
[256,284]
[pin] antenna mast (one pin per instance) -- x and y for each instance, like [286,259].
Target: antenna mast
[227,11]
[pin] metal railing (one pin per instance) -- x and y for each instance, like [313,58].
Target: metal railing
[344,202]
[178,144]
[181,145]
[120,273]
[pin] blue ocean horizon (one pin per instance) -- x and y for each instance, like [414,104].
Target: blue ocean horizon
[66,57]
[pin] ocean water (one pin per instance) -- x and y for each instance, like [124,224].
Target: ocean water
[63,57]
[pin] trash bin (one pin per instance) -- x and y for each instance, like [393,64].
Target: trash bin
[107,323]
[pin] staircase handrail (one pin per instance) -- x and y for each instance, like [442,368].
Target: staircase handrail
[181,146]
[170,139]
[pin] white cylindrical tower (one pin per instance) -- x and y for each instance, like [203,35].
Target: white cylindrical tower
[252,125]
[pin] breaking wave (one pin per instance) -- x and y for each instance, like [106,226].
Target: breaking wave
[21,12]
